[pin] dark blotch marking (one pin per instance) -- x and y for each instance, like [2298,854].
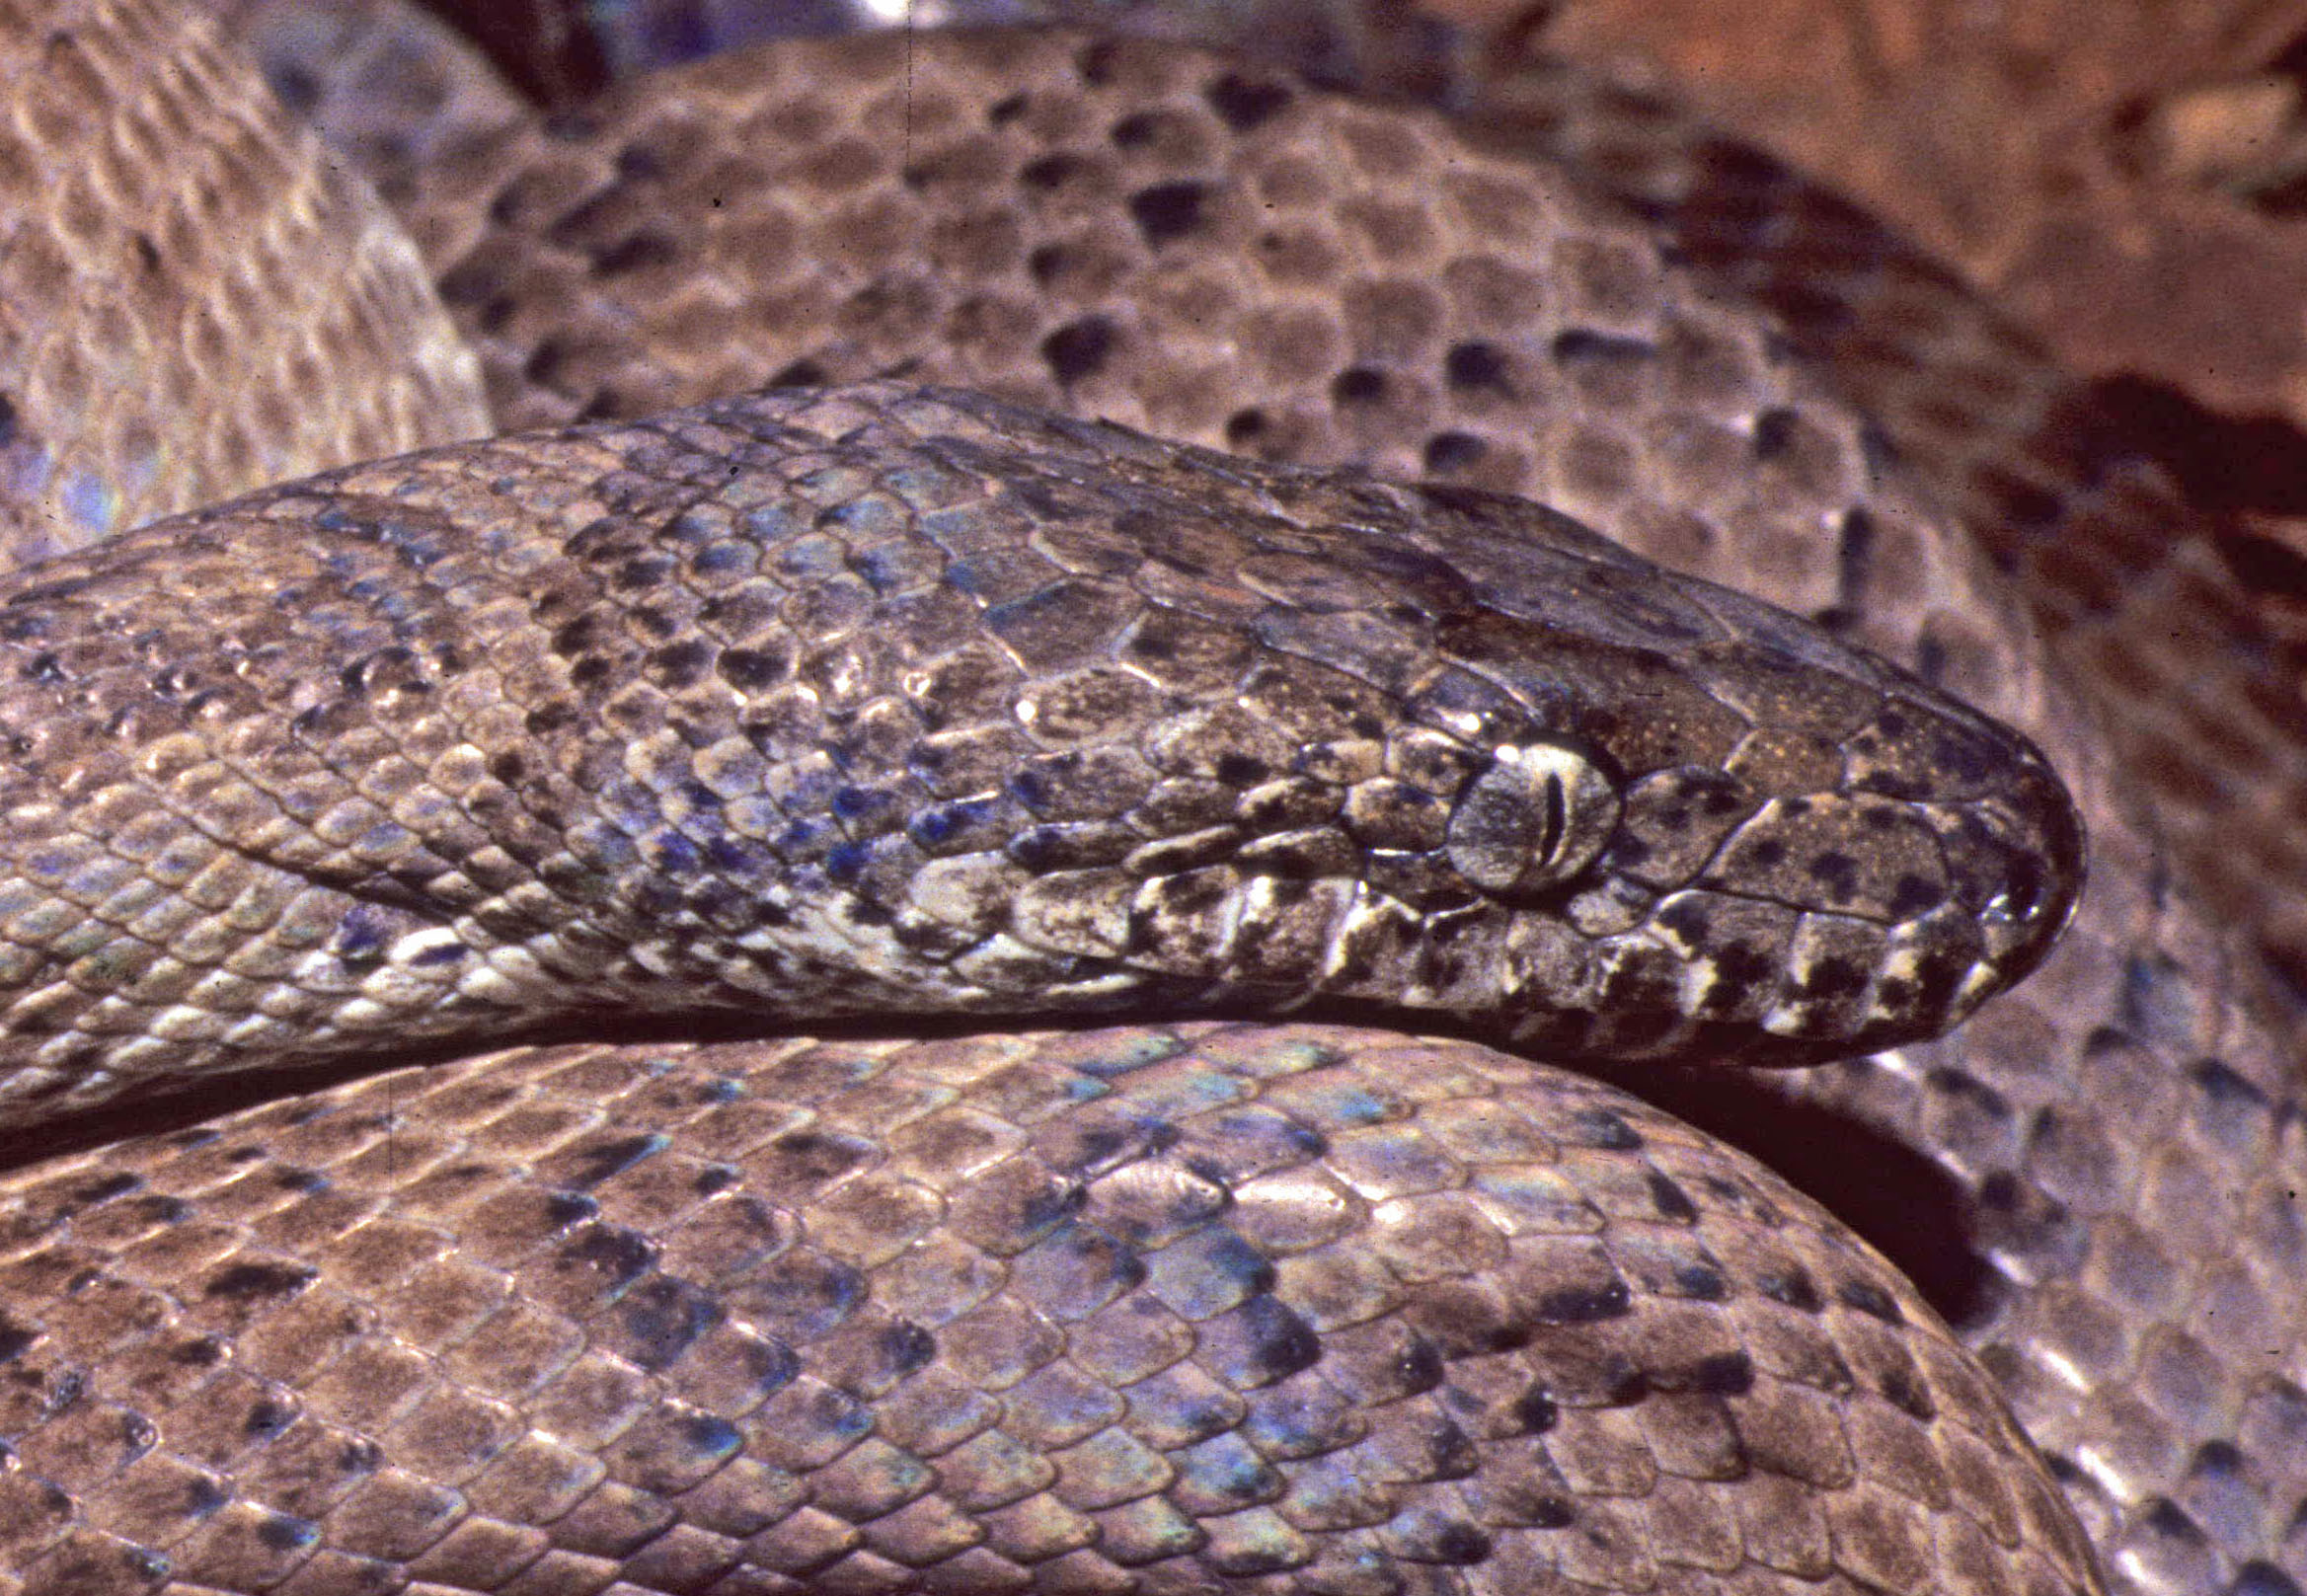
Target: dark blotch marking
[267,1420]
[2168,1519]
[1906,1392]
[1459,1544]
[1280,1342]
[1167,211]
[1581,1305]
[1536,1410]
[282,1533]
[247,1282]
[618,1255]
[1725,1374]
[1607,1131]
[1869,1299]
[1050,171]
[662,1319]
[1244,103]
[908,1348]
[1357,385]
[1447,452]
[1671,1202]
[1078,349]
[1473,365]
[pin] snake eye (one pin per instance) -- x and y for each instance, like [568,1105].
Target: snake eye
[1535,817]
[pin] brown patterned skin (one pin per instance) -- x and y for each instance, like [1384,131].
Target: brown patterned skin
[2125,1125]
[1162,1308]
[1250,265]
[204,256]
[810,708]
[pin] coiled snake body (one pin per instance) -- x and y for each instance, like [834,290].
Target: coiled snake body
[840,703]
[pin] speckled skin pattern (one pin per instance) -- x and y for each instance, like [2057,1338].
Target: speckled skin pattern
[1161,1309]
[1209,249]
[194,248]
[814,707]
[2121,1134]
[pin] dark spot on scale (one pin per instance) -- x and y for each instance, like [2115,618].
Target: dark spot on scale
[1536,1410]
[1450,1453]
[1460,1544]
[1078,349]
[1447,452]
[1790,1287]
[267,1420]
[1584,1305]
[1135,130]
[589,1166]
[750,670]
[802,373]
[1005,110]
[1475,365]
[634,254]
[1421,1367]
[1583,346]
[1687,918]
[1625,1384]
[1837,873]
[249,1281]
[1768,853]
[1904,1389]
[1701,1282]
[7,420]
[2223,1086]
[679,665]
[1357,385]
[1167,211]
[1240,770]
[203,1494]
[660,1318]
[1913,895]
[2168,1519]
[1869,1299]
[1606,1130]
[564,1208]
[1773,432]
[1725,1374]
[1671,1202]
[282,1533]
[908,1348]
[616,1255]
[1832,978]
[1280,1343]
[1976,1094]
[1244,103]
[43,668]
[200,1352]
[1243,427]
[1050,171]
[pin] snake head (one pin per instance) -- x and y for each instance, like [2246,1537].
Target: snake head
[894,701]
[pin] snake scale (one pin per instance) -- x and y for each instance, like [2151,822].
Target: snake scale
[845,704]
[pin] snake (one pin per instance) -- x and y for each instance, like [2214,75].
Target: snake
[924,719]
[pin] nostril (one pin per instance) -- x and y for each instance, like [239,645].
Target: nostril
[1535,816]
